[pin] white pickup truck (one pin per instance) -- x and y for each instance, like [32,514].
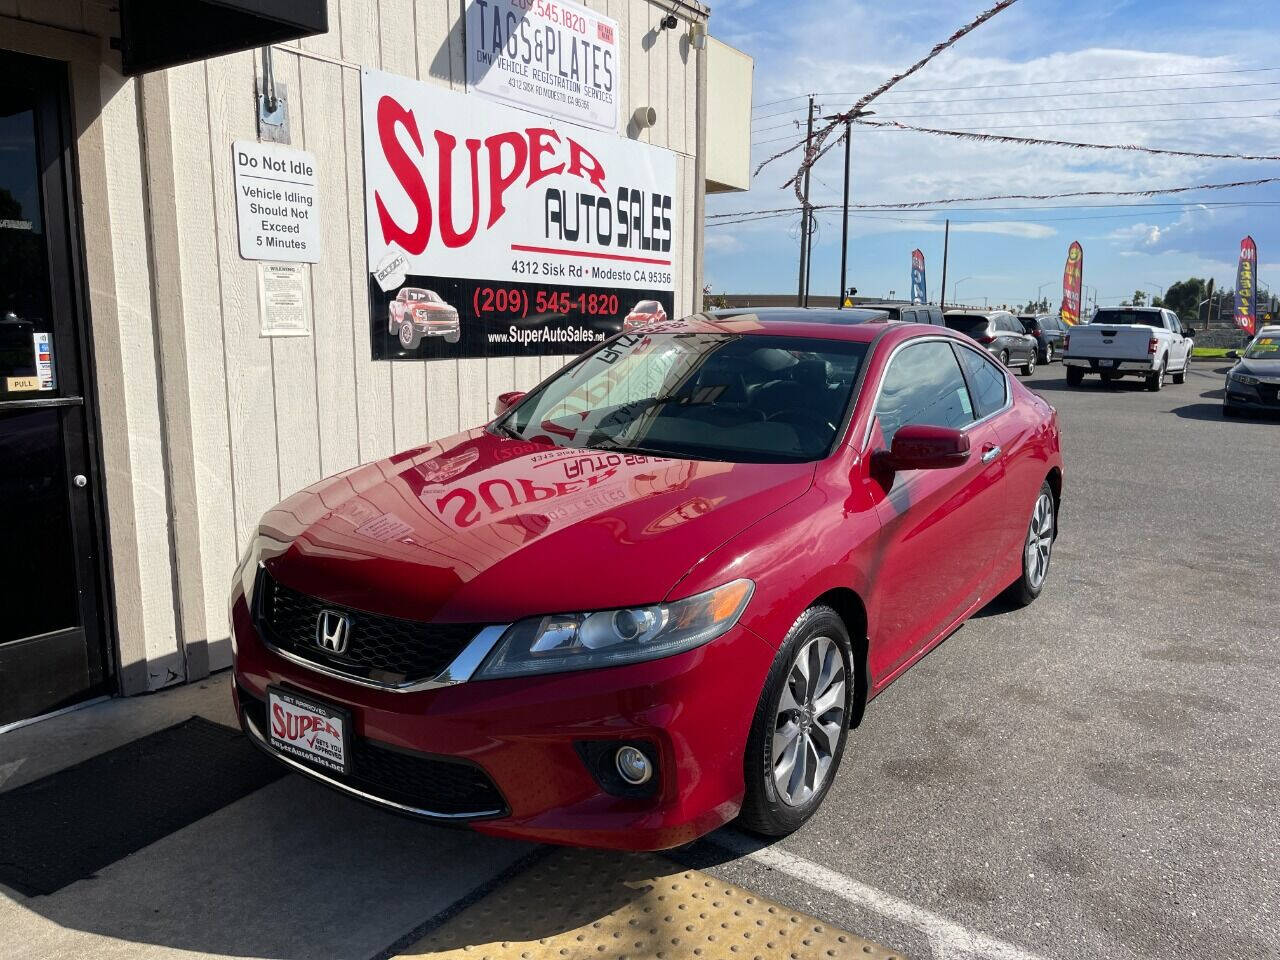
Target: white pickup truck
[1147,342]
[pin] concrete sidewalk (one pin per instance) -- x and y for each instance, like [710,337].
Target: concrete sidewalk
[290,871]
[294,871]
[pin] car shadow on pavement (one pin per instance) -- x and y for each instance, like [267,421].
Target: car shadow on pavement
[1213,411]
[293,871]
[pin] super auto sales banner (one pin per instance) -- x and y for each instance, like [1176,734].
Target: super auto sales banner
[497,232]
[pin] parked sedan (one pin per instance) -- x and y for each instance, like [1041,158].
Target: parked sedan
[655,593]
[1048,329]
[1253,383]
[1000,332]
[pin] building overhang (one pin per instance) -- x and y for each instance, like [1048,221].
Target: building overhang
[155,34]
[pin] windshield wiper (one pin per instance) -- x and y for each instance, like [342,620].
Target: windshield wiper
[506,431]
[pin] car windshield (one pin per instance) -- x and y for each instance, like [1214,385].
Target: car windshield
[1263,348]
[646,306]
[702,396]
[966,323]
[1030,324]
[1137,318]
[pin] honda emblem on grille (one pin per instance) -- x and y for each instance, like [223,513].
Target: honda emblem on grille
[332,630]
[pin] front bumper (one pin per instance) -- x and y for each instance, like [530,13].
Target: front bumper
[1260,396]
[1109,365]
[437,328]
[692,711]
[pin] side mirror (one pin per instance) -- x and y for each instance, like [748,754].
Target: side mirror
[506,401]
[1188,331]
[918,446]
[1233,354]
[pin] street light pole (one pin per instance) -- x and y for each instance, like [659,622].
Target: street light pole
[955,290]
[844,227]
[805,215]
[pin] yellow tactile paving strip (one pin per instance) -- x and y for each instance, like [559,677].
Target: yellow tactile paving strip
[577,904]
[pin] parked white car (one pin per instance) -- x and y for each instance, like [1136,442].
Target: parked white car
[1147,342]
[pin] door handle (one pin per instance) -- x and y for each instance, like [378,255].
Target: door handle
[990,454]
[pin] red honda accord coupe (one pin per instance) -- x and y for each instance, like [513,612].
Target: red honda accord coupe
[657,591]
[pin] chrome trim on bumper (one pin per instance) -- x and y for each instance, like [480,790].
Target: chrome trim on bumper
[459,669]
[255,735]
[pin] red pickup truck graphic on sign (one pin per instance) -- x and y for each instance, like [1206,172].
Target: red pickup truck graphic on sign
[416,313]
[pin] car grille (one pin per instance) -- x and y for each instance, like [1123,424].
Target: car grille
[380,649]
[1269,392]
[450,787]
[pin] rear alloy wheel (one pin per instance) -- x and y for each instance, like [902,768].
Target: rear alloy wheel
[1048,353]
[1037,549]
[1004,358]
[799,730]
[1155,381]
[1029,367]
[1075,376]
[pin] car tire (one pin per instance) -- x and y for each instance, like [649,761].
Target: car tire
[1037,548]
[409,336]
[1181,375]
[1004,358]
[1048,353]
[1229,411]
[1029,367]
[767,809]
[1075,376]
[452,337]
[1155,381]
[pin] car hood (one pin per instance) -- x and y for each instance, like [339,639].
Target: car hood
[479,528]
[1258,368]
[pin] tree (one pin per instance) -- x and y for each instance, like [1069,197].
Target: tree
[1139,298]
[1184,297]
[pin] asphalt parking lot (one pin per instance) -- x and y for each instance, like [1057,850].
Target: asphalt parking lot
[1097,775]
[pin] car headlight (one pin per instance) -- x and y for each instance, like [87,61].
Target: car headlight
[1244,379]
[579,641]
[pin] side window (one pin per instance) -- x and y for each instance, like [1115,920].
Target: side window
[987,382]
[908,316]
[1174,324]
[923,385]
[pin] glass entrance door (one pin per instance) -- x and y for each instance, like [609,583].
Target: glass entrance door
[51,635]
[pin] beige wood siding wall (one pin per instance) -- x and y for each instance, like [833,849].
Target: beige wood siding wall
[206,424]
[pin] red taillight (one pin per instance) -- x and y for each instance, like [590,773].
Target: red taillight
[1152,344]
[986,339]
[1066,341]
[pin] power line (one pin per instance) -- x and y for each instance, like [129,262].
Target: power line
[1100,123]
[1071,93]
[1091,107]
[1094,107]
[1076,145]
[1036,83]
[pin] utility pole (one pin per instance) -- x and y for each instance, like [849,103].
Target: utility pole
[802,286]
[946,244]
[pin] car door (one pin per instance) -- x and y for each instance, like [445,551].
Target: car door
[1179,346]
[938,527]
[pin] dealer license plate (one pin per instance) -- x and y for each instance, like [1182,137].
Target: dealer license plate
[1106,363]
[310,730]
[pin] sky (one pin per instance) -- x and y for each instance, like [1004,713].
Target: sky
[1219,52]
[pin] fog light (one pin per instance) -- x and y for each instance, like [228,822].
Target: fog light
[632,765]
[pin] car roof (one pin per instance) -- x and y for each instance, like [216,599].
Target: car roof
[974,313]
[823,323]
[1269,331]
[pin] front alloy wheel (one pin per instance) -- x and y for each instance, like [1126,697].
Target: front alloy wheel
[798,733]
[809,721]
